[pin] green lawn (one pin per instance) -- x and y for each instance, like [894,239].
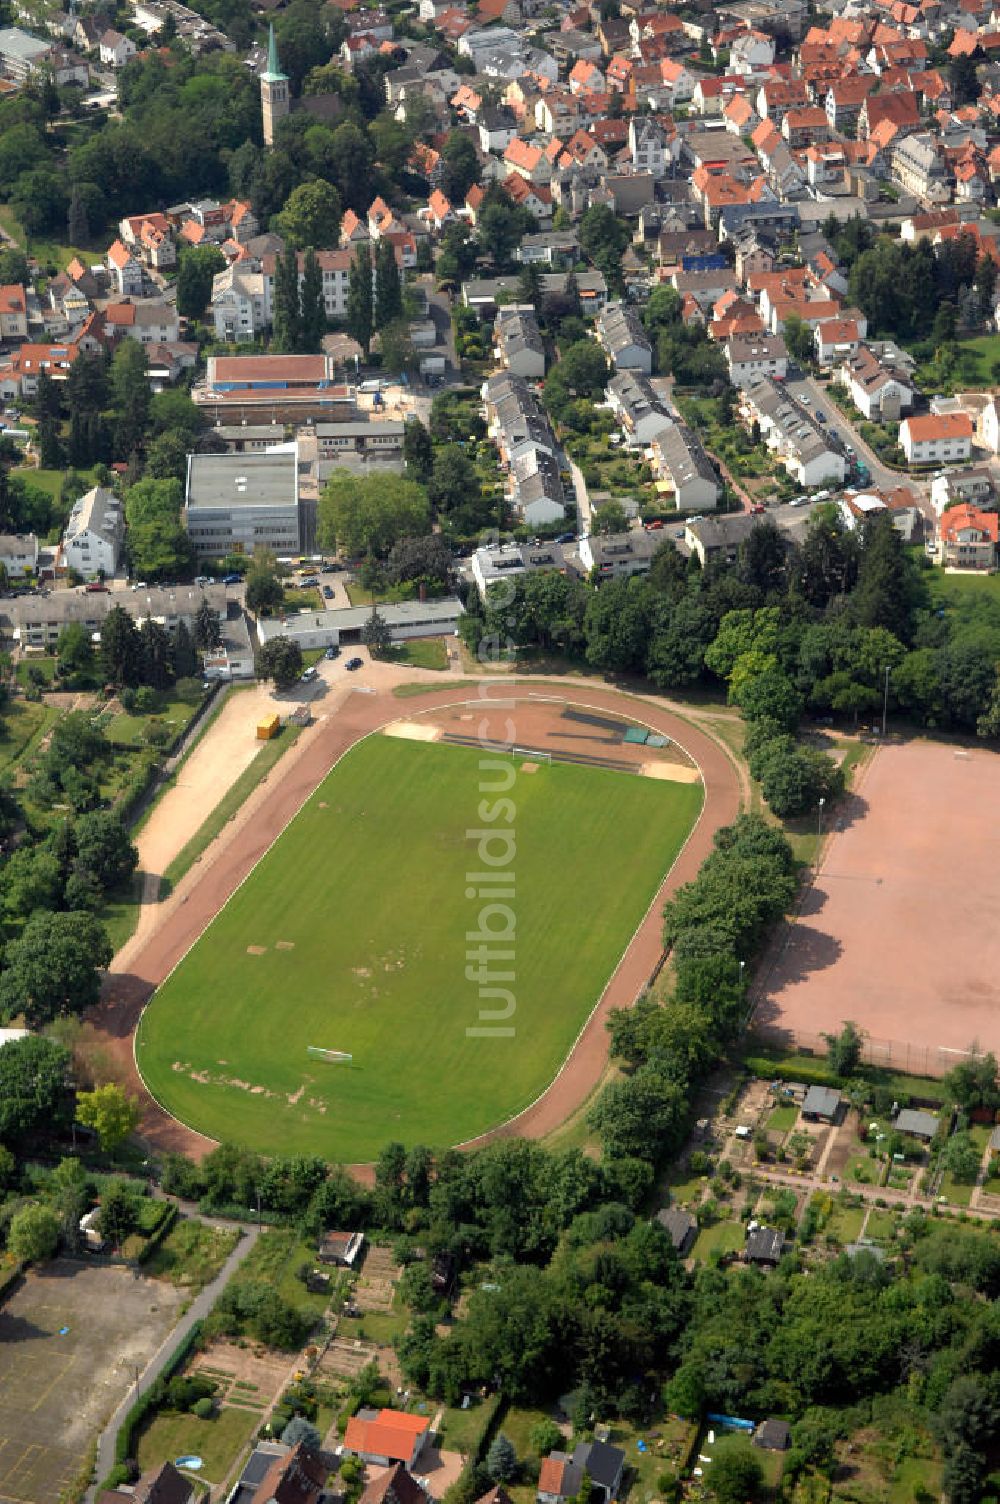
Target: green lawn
[368,889]
[844,1224]
[881,1226]
[724,1237]
[783,1118]
[191,1254]
[43,250]
[23,725]
[217,1441]
[421,652]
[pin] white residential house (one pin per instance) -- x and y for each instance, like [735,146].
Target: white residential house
[683,472]
[239,304]
[124,270]
[877,390]
[92,539]
[620,331]
[614,556]
[18,554]
[115,49]
[750,356]
[519,343]
[646,146]
[990,426]
[931,439]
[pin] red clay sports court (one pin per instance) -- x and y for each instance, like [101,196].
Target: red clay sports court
[900,932]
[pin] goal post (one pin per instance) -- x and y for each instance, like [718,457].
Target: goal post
[332,1057]
[534,753]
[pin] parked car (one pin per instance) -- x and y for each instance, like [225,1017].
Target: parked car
[566,538]
[96,588]
[820,417]
[354,663]
[758,507]
[654,526]
[332,653]
[232,579]
[328,593]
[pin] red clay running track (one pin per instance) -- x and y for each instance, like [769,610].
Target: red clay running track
[211,883]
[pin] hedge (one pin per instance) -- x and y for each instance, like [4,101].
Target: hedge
[777,1070]
[148,1401]
[158,1234]
[8,1279]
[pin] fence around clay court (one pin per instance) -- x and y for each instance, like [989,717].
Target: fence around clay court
[903,1055]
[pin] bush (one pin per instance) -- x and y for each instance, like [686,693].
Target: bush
[204,1409]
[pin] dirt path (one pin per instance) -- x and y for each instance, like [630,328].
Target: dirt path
[349,716]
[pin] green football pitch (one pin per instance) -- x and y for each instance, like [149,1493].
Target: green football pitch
[350,935]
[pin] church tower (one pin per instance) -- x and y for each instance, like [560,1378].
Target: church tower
[274,102]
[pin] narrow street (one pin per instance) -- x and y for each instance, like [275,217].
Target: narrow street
[583,513]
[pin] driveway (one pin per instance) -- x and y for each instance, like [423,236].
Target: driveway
[818,398]
[583,512]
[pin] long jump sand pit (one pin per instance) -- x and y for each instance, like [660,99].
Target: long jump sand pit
[899,932]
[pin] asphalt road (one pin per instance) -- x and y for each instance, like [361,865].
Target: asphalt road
[818,399]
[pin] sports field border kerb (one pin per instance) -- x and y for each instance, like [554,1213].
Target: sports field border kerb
[566,696]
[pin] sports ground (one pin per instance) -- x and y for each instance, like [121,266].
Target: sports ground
[350,934]
[899,932]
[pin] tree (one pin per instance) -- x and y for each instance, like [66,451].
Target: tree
[52,968]
[74,649]
[388,291]
[77,218]
[582,372]
[461,166]
[962,1157]
[121,649]
[263,591]
[119,1214]
[111,1113]
[287,319]
[376,636]
[426,561]
[545,1436]
[501,1459]
[365,515]
[311,216]
[185,656]
[33,1236]
[35,1090]
[312,304]
[795,778]
[610,517]
[198,266]
[300,1431]
[360,298]
[883,596]
[798,338]
[50,448]
[844,1049]
[280,660]
[207,629]
[418,450]
[104,847]
[130,390]
[736,1474]
[603,238]
[973,1082]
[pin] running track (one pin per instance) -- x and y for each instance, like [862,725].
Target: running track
[206,889]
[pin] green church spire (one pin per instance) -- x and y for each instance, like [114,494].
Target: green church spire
[273,72]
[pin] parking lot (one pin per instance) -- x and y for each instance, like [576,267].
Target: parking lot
[72,1338]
